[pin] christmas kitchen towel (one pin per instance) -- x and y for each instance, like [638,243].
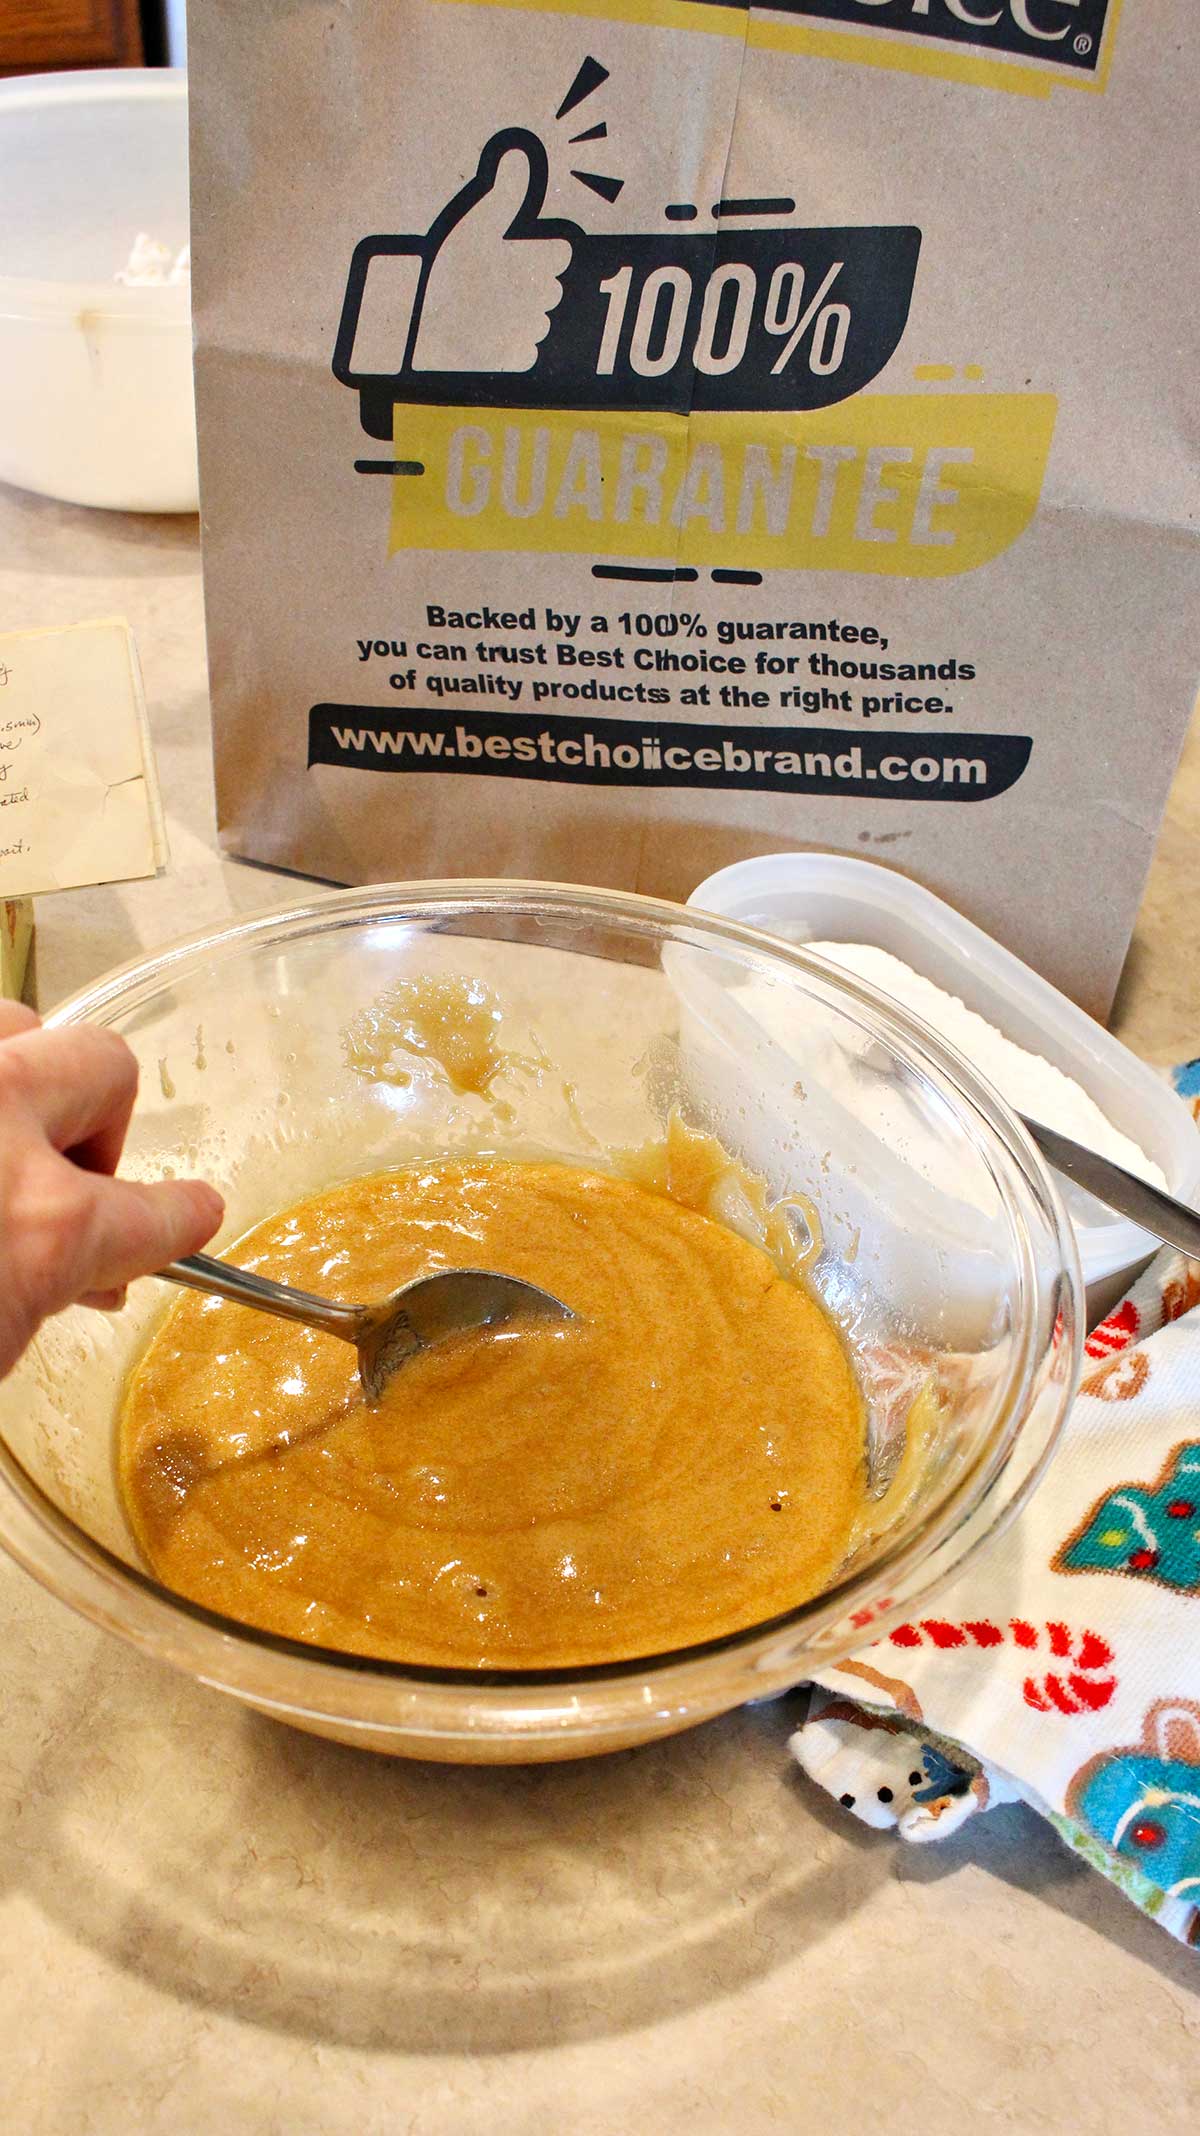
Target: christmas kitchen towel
[1063,1669]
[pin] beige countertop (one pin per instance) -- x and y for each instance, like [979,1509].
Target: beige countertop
[211,1922]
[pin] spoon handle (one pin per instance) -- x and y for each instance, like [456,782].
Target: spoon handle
[1148,1206]
[222,1280]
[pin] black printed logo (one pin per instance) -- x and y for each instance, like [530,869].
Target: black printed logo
[1067,33]
[499,304]
[600,751]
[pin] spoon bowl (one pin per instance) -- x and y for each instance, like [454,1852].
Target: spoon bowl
[452,1301]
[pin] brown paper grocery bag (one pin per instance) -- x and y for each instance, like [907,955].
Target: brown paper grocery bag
[642,433]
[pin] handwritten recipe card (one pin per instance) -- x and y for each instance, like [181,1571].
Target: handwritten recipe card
[79,801]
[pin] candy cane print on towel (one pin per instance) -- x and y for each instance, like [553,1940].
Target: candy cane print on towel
[1083,1683]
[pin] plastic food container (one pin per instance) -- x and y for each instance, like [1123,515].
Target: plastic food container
[813,897]
[245,1078]
[95,378]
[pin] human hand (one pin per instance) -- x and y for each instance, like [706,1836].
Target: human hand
[70,1233]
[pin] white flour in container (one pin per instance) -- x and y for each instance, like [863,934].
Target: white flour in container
[1026,1081]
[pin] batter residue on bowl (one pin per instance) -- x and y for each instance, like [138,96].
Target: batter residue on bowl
[684,1458]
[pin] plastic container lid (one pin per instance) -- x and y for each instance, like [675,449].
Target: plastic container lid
[814,897]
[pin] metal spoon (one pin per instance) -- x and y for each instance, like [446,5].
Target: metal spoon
[419,1314]
[1148,1206]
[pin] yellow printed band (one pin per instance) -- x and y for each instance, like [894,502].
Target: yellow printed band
[891,50]
[698,15]
[895,56]
[882,47]
[913,485]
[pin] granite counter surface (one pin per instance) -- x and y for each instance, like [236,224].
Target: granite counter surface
[211,1922]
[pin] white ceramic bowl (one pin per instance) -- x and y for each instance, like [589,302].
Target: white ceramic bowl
[95,378]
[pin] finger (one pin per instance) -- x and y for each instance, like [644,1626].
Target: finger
[15,1018]
[135,1229]
[515,191]
[553,294]
[81,1084]
[101,1150]
[109,1301]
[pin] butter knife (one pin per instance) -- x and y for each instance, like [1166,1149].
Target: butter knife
[1168,1219]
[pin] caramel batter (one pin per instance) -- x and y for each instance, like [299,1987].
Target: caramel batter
[452,1022]
[683,1458]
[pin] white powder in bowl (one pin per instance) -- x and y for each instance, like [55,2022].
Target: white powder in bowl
[153,265]
[1027,1082]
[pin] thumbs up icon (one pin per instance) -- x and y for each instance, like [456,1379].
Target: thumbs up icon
[494,274]
[475,294]
[497,304]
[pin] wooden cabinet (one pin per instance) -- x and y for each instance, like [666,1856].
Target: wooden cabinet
[41,36]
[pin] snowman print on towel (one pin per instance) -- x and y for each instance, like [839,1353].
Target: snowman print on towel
[1146,1531]
[1144,1801]
[887,1775]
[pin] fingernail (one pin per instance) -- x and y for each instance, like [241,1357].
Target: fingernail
[210,1205]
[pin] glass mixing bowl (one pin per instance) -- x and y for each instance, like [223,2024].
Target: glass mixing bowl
[936,1237]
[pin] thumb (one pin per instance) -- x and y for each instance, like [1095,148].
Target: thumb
[517,191]
[136,1229]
